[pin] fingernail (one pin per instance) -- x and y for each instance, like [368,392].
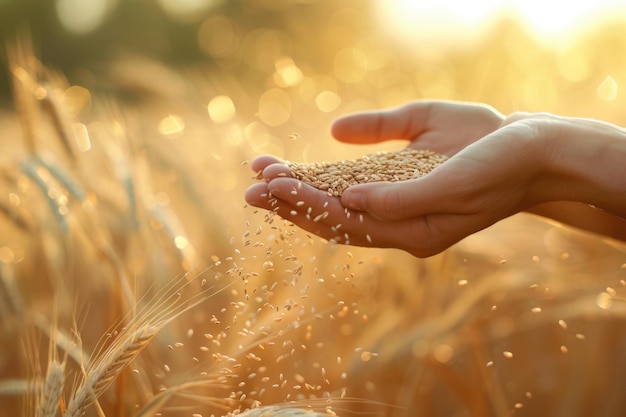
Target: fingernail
[354,200]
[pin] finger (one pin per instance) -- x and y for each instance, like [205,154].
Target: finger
[404,122]
[261,162]
[405,199]
[324,215]
[258,195]
[304,216]
[309,208]
[276,170]
[304,197]
[335,224]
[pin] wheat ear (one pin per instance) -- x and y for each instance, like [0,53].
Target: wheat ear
[99,378]
[108,363]
[51,390]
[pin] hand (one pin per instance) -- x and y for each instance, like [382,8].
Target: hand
[443,127]
[497,167]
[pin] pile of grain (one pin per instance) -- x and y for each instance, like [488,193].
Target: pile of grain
[335,177]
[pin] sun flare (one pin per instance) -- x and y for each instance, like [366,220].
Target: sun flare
[453,22]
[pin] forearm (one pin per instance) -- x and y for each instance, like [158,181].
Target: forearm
[586,162]
[582,181]
[583,216]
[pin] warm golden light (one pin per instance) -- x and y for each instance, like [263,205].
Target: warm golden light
[351,65]
[221,109]
[185,10]
[126,188]
[274,107]
[82,16]
[287,73]
[171,125]
[607,90]
[450,22]
[327,101]
[77,99]
[81,136]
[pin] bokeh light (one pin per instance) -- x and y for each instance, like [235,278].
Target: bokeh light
[221,109]
[81,136]
[327,101]
[80,16]
[77,99]
[351,65]
[274,107]
[217,36]
[607,90]
[172,125]
[287,73]
[186,10]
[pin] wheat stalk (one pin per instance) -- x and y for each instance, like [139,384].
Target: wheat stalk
[152,407]
[280,411]
[10,298]
[108,363]
[12,387]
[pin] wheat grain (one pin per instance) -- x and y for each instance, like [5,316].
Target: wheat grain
[336,177]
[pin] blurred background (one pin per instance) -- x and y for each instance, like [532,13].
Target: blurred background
[128,127]
[381,45]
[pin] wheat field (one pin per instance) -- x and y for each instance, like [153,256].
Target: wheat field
[134,280]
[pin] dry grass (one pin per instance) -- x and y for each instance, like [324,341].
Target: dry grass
[102,207]
[107,363]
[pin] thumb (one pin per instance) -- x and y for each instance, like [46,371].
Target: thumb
[390,201]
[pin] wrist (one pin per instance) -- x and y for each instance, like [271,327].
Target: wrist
[584,161]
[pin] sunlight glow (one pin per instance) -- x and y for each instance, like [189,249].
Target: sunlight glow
[186,10]
[450,22]
[221,109]
[82,16]
[171,125]
[607,90]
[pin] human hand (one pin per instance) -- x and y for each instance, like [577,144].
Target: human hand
[387,219]
[496,169]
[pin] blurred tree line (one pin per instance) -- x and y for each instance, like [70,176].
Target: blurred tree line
[131,26]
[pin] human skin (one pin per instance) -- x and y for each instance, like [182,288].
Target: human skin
[572,170]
